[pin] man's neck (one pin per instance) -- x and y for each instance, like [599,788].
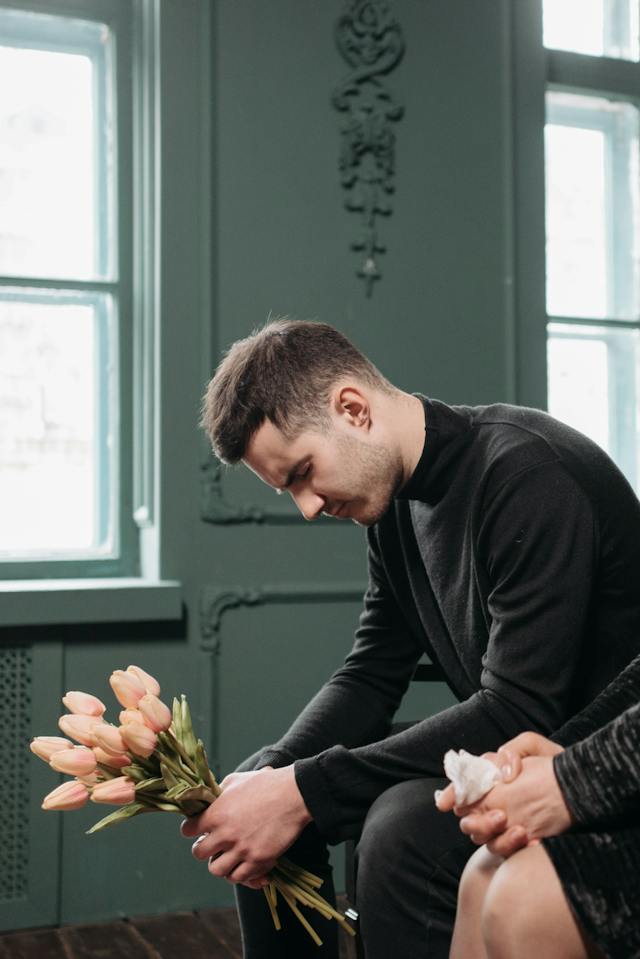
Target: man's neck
[411,428]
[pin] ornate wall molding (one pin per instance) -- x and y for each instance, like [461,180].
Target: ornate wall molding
[215,508]
[215,601]
[370,40]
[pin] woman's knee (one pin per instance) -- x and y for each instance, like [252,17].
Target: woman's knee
[508,908]
[475,880]
[525,910]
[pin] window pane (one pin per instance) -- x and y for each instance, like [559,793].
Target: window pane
[593,212]
[593,386]
[53,147]
[56,418]
[597,27]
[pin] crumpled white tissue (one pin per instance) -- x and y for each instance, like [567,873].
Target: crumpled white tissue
[472,776]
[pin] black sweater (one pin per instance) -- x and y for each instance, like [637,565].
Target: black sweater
[512,559]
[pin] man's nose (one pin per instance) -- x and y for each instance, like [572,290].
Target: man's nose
[309,503]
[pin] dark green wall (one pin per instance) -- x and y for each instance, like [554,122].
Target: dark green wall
[253,222]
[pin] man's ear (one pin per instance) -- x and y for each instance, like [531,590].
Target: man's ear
[352,405]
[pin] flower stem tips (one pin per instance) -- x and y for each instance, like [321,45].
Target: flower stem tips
[153,762]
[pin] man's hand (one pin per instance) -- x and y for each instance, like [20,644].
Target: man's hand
[257,816]
[526,806]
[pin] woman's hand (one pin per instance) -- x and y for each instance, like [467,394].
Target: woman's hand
[526,806]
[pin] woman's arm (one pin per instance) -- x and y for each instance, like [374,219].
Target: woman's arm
[620,694]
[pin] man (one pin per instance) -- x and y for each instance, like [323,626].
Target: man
[503,544]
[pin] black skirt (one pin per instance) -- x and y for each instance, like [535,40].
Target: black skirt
[600,875]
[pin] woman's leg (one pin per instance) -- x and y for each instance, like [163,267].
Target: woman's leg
[467,934]
[526,913]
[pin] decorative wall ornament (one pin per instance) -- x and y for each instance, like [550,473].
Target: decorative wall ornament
[216,600]
[215,508]
[370,40]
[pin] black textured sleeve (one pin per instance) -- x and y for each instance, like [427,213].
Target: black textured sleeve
[600,776]
[620,694]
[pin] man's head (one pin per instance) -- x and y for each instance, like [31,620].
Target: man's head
[295,402]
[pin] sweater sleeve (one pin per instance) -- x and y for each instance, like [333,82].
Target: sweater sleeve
[357,704]
[620,694]
[537,544]
[600,776]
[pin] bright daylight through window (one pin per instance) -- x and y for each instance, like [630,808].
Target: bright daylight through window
[58,290]
[592,147]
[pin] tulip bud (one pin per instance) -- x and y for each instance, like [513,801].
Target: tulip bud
[156,714]
[106,759]
[140,740]
[77,761]
[91,779]
[128,688]
[45,746]
[130,716]
[79,727]
[70,795]
[83,704]
[109,738]
[117,791]
[150,684]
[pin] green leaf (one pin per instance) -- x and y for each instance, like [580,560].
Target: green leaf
[177,718]
[202,765]
[187,738]
[168,775]
[124,812]
[136,773]
[155,785]
[201,793]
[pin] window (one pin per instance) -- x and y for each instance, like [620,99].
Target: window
[592,165]
[65,296]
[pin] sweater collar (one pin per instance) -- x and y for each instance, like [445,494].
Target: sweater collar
[443,424]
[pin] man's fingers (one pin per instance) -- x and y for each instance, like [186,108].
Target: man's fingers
[445,798]
[483,826]
[224,865]
[509,842]
[206,846]
[192,827]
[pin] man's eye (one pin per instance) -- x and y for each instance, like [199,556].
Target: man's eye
[304,472]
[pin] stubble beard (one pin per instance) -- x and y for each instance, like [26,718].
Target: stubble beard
[374,474]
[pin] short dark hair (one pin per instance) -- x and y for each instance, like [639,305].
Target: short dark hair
[283,372]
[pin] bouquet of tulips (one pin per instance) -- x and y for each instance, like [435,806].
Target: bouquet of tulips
[152,762]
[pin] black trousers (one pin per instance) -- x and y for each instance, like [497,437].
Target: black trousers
[409,860]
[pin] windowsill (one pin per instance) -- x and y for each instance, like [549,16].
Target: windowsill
[34,602]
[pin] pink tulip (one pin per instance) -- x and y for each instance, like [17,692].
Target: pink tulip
[79,727]
[70,795]
[128,688]
[77,761]
[156,714]
[106,759]
[150,684]
[109,739]
[140,740]
[46,746]
[91,779]
[117,791]
[83,704]
[130,716]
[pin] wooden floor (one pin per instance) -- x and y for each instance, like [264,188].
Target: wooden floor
[206,934]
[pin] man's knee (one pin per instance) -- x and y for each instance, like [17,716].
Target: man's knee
[404,830]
